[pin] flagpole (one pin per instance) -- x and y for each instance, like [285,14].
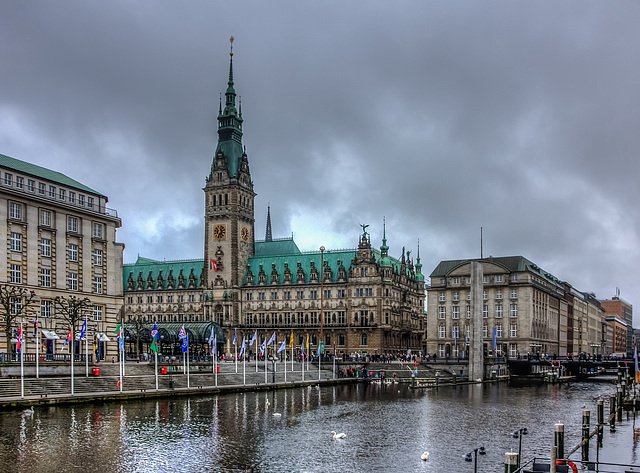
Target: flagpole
[215,359]
[256,354]
[86,348]
[120,363]
[156,370]
[21,364]
[334,363]
[266,352]
[73,346]
[37,351]
[244,365]
[302,350]
[319,362]
[188,385]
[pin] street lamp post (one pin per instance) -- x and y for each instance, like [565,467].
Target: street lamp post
[473,456]
[517,434]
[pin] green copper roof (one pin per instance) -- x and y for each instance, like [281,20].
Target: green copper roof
[43,173]
[279,246]
[273,259]
[512,264]
[230,128]
[144,266]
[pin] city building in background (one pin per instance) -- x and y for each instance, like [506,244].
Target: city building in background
[60,241]
[360,300]
[526,311]
[621,311]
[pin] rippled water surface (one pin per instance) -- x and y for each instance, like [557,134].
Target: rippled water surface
[388,427]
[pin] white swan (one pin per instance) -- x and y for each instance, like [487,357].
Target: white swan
[338,436]
[424,456]
[28,412]
[277,414]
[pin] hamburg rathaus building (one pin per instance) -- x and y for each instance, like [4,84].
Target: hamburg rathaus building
[360,301]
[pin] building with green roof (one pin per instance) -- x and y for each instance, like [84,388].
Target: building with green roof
[358,300]
[60,243]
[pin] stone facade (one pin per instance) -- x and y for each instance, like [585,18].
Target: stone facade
[355,301]
[60,240]
[531,311]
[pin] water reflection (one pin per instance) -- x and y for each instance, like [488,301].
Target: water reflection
[388,427]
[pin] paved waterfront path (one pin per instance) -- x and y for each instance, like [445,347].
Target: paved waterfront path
[140,383]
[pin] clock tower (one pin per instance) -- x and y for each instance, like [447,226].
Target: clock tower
[229,215]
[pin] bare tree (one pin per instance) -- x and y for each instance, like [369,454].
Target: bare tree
[72,309]
[137,320]
[15,302]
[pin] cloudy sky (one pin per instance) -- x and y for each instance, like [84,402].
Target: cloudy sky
[522,118]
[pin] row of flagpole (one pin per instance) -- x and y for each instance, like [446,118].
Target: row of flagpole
[212,342]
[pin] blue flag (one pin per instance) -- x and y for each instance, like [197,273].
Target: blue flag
[272,339]
[495,336]
[185,344]
[282,347]
[84,329]
[241,348]
[210,337]
[254,338]
[233,342]
[455,336]
[264,345]
[215,345]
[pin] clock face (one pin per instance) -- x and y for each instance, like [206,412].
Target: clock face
[219,232]
[244,234]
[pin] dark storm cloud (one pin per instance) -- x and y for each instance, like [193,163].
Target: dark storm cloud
[443,117]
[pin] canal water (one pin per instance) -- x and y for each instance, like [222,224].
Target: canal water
[387,428]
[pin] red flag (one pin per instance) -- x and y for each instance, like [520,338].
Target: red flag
[214,265]
[19,344]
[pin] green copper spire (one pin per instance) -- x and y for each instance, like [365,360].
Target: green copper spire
[230,125]
[384,249]
[419,275]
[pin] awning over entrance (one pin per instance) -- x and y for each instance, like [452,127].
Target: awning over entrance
[198,332]
[102,337]
[50,335]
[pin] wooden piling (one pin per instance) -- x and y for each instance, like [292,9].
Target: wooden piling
[619,401]
[586,420]
[612,412]
[559,440]
[600,420]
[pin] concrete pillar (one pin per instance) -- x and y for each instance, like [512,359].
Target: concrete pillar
[476,352]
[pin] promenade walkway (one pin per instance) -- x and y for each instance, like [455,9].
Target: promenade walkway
[140,383]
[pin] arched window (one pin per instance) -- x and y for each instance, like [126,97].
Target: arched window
[364,339]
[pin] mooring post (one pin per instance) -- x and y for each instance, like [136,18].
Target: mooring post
[586,420]
[619,400]
[559,440]
[600,415]
[612,411]
[552,459]
[510,462]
